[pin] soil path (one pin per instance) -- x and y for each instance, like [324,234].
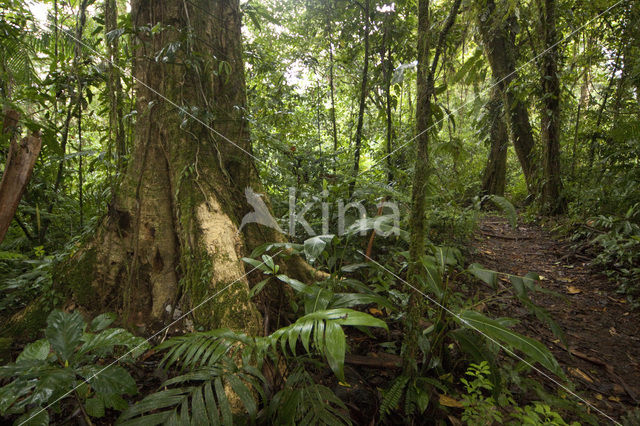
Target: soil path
[602,330]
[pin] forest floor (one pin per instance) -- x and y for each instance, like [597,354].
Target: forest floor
[601,328]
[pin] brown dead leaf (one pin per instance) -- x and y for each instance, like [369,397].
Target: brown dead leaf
[447,401]
[576,372]
[573,290]
[454,421]
[618,390]
[375,311]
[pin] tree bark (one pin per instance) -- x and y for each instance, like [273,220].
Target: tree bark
[17,172]
[334,125]
[387,70]
[499,47]
[114,85]
[363,100]
[494,177]
[417,220]
[553,200]
[171,235]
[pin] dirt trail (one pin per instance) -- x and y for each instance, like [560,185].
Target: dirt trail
[601,328]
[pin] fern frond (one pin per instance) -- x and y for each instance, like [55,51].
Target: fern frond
[302,401]
[199,397]
[392,397]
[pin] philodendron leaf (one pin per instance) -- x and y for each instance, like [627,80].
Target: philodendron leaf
[64,332]
[533,349]
[38,350]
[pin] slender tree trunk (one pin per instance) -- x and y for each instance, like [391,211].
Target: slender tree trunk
[601,110]
[46,222]
[552,193]
[499,46]
[334,125]
[417,219]
[171,235]
[582,103]
[495,172]
[114,85]
[76,65]
[387,68]
[363,100]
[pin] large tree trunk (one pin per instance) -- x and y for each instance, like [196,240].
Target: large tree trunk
[499,47]
[494,177]
[171,236]
[552,197]
[17,172]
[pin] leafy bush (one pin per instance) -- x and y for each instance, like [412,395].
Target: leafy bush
[69,363]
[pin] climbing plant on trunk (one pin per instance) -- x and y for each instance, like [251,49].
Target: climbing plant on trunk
[171,236]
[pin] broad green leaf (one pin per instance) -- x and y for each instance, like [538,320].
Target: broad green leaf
[38,350]
[485,275]
[258,287]
[347,300]
[533,349]
[102,321]
[335,347]
[113,379]
[94,407]
[36,417]
[64,332]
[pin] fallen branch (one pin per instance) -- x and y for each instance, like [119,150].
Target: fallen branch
[384,361]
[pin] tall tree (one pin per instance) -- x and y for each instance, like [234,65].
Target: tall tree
[425,88]
[494,177]
[171,234]
[114,85]
[499,45]
[363,97]
[552,197]
[334,125]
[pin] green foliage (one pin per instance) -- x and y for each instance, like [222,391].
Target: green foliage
[222,365]
[479,409]
[303,401]
[618,247]
[69,363]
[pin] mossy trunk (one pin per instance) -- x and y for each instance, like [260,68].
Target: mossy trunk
[171,236]
[552,191]
[495,23]
[494,177]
